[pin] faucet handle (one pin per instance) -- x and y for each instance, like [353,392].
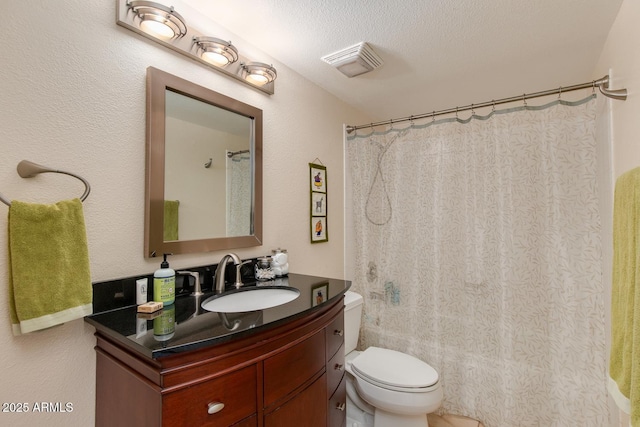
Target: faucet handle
[238,284]
[197,289]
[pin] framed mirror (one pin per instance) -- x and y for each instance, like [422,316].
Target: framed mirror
[203,189]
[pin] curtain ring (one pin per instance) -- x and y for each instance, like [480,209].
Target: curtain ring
[593,87]
[433,117]
[560,93]
[493,105]
[391,121]
[473,113]
[524,99]
[456,113]
[411,120]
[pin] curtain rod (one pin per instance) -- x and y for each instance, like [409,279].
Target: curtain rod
[230,154]
[602,84]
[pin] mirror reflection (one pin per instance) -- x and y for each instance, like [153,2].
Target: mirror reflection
[206,146]
[204,169]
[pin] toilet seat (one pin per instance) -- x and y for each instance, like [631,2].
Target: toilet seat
[393,370]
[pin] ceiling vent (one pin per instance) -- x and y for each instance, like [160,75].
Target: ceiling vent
[354,60]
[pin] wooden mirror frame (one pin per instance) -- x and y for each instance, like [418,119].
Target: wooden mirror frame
[154,245]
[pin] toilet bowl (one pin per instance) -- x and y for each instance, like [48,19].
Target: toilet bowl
[359,412]
[386,387]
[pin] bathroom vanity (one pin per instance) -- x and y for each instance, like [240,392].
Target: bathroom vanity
[278,367]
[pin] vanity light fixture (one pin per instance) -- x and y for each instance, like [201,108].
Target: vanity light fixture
[259,73]
[216,51]
[158,20]
[165,26]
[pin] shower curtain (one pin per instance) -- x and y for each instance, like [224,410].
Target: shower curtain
[476,245]
[239,195]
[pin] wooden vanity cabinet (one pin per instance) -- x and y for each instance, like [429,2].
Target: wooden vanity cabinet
[336,386]
[288,375]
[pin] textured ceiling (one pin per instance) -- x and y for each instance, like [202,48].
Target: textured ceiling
[437,53]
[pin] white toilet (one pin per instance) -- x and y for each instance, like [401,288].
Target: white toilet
[385,388]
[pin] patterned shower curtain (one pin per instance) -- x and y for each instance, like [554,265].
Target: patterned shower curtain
[476,245]
[239,195]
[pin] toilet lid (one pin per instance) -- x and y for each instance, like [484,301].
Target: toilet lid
[394,369]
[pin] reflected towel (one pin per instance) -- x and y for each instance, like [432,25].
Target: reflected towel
[624,367]
[49,277]
[171,220]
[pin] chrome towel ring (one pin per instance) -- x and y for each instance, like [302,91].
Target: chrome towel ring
[27,169]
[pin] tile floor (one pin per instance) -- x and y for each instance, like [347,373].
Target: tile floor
[452,421]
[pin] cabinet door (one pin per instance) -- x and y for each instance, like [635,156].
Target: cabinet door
[291,368]
[308,408]
[221,401]
[249,422]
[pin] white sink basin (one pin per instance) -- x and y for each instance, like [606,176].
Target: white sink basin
[250,299]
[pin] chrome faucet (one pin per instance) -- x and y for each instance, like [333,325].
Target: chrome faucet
[222,268]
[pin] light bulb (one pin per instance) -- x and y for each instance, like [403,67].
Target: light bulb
[215,58]
[157,28]
[258,79]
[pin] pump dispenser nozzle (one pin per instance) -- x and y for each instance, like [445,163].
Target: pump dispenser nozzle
[164,263]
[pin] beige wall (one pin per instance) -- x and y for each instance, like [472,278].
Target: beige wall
[620,58]
[621,55]
[72,96]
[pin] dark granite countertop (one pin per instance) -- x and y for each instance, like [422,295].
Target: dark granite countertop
[185,326]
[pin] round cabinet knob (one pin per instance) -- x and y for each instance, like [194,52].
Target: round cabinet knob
[340,406]
[215,407]
[338,332]
[338,367]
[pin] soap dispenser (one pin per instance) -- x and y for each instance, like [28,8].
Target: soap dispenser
[164,283]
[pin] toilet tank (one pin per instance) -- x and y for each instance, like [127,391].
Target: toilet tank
[352,318]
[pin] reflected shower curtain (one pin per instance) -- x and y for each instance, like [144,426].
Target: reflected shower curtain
[239,195]
[476,245]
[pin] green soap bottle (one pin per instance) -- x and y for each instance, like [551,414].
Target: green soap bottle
[164,283]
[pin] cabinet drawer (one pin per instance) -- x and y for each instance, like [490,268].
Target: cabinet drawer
[335,335]
[306,409]
[190,406]
[337,415]
[290,368]
[335,370]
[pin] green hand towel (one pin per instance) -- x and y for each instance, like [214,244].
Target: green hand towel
[49,277]
[624,366]
[171,220]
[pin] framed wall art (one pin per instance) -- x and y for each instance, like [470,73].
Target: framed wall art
[318,203]
[319,293]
